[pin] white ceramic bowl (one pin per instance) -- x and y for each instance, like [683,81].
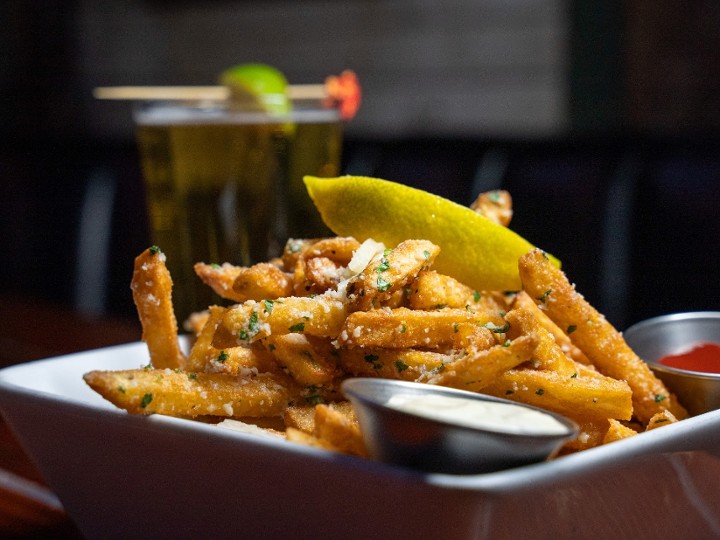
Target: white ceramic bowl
[123,476]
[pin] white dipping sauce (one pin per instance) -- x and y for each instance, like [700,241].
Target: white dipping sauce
[479,414]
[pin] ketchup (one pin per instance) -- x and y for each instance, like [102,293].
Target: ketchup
[703,357]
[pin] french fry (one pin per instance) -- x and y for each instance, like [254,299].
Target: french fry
[300,417]
[523,300]
[573,396]
[403,364]
[262,281]
[152,292]
[220,278]
[404,328]
[338,425]
[663,418]
[617,431]
[322,315]
[317,275]
[548,354]
[595,336]
[431,290]
[389,272]
[179,393]
[495,205]
[304,362]
[479,369]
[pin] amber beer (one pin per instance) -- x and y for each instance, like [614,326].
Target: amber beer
[226,186]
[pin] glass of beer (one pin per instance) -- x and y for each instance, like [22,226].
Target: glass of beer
[225,184]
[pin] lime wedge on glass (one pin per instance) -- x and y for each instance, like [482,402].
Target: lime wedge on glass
[257,87]
[474,249]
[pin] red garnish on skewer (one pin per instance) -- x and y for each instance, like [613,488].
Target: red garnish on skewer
[344,90]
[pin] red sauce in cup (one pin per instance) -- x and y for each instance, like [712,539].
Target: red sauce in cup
[703,357]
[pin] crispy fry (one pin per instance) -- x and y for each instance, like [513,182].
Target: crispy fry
[322,315]
[404,328]
[574,396]
[479,369]
[389,272]
[261,281]
[300,417]
[301,437]
[317,275]
[152,292]
[403,364]
[523,300]
[617,431]
[220,278]
[595,336]
[178,393]
[495,205]
[663,418]
[548,354]
[434,291]
[338,425]
[305,363]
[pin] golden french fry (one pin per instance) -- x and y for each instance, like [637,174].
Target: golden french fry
[403,364]
[338,249]
[220,278]
[479,369]
[523,300]
[663,418]
[305,363]
[301,437]
[300,417]
[572,396]
[196,322]
[152,292]
[262,281]
[179,393]
[591,434]
[617,431]
[404,328]
[472,337]
[495,205]
[204,357]
[339,426]
[317,275]
[595,336]
[242,324]
[389,272]
[548,354]
[431,290]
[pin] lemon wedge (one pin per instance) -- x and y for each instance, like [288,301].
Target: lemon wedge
[474,249]
[257,87]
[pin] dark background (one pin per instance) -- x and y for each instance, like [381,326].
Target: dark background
[624,189]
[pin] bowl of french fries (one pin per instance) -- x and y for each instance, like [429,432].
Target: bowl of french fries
[241,426]
[683,349]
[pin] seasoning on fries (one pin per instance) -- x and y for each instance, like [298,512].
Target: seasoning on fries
[295,327]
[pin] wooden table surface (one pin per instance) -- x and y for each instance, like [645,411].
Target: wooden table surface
[32,330]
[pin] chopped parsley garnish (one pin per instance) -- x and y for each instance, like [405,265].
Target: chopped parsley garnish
[192,376]
[372,358]
[298,327]
[252,329]
[154,250]
[539,391]
[476,296]
[544,296]
[146,399]
[497,329]
[659,398]
[403,328]
[215,266]
[574,376]
[268,305]
[384,265]
[456,327]
[314,400]
[571,328]
[121,389]
[401,366]
[383,285]
[222,357]
[426,254]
